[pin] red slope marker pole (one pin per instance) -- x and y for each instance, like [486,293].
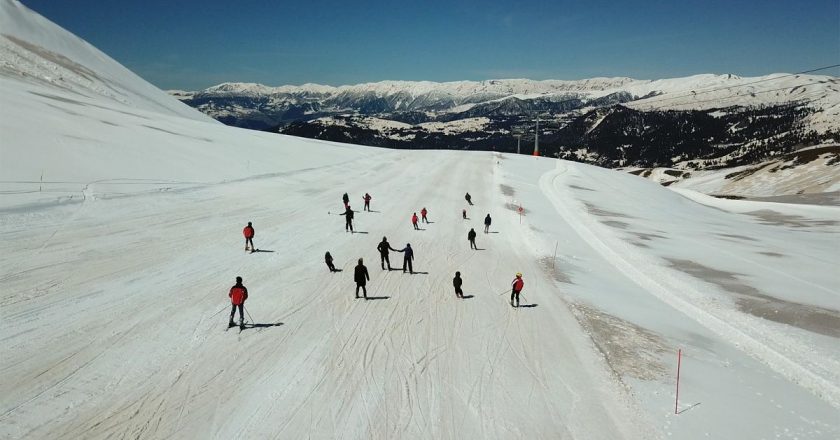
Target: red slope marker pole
[677,399]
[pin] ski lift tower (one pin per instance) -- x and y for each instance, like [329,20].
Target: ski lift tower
[548,123]
[518,133]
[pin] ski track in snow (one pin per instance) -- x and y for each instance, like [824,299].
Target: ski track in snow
[418,364]
[774,349]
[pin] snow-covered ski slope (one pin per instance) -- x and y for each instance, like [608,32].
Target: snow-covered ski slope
[115,270]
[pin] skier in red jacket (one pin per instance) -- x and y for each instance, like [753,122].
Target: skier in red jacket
[423,213]
[517,284]
[414,220]
[248,232]
[238,294]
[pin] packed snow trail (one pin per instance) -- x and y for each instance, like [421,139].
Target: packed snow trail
[122,334]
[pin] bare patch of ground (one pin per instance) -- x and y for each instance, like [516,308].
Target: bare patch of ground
[644,236]
[772,254]
[594,210]
[750,300]
[507,190]
[616,224]
[770,217]
[630,350]
[554,270]
[831,198]
[736,237]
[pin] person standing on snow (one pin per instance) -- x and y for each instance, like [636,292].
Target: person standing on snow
[487,221]
[517,284]
[238,294]
[468,198]
[408,258]
[456,282]
[464,214]
[423,213]
[383,249]
[361,277]
[471,238]
[367,198]
[346,199]
[248,232]
[348,219]
[414,221]
[329,260]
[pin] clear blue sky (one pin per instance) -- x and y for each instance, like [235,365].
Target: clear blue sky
[195,44]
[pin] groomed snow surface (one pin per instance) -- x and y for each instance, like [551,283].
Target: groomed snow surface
[121,226]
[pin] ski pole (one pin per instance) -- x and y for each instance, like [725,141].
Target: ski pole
[220,311]
[249,314]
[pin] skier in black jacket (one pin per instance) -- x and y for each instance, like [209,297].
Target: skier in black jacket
[383,249]
[348,217]
[457,281]
[471,238]
[408,258]
[361,277]
[346,199]
[468,198]
[329,260]
[487,222]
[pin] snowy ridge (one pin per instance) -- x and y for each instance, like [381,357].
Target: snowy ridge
[36,50]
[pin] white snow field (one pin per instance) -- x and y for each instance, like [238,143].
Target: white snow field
[115,268]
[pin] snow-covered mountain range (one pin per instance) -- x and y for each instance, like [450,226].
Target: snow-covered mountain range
[731,120]
[121,215]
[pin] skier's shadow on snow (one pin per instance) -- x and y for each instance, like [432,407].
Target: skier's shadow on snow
[419,273]
[429,223]
[419,229]
[374,211]
[480,249]
[360,232]
[493,232]
[527,306]
[261,250]
[372,298]
[339,270]
[261,325]
[468,296]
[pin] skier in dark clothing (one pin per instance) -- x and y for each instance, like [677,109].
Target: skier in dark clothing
[348,217]
[346,199]
[516,286]
[238,294]
[248,232]
[468,198]
[361,277]
[423,213]
[487,221]
[464,214]
[457,281]
[471,238]
[367,198]
[408,258]
[329,260]
[383,249]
